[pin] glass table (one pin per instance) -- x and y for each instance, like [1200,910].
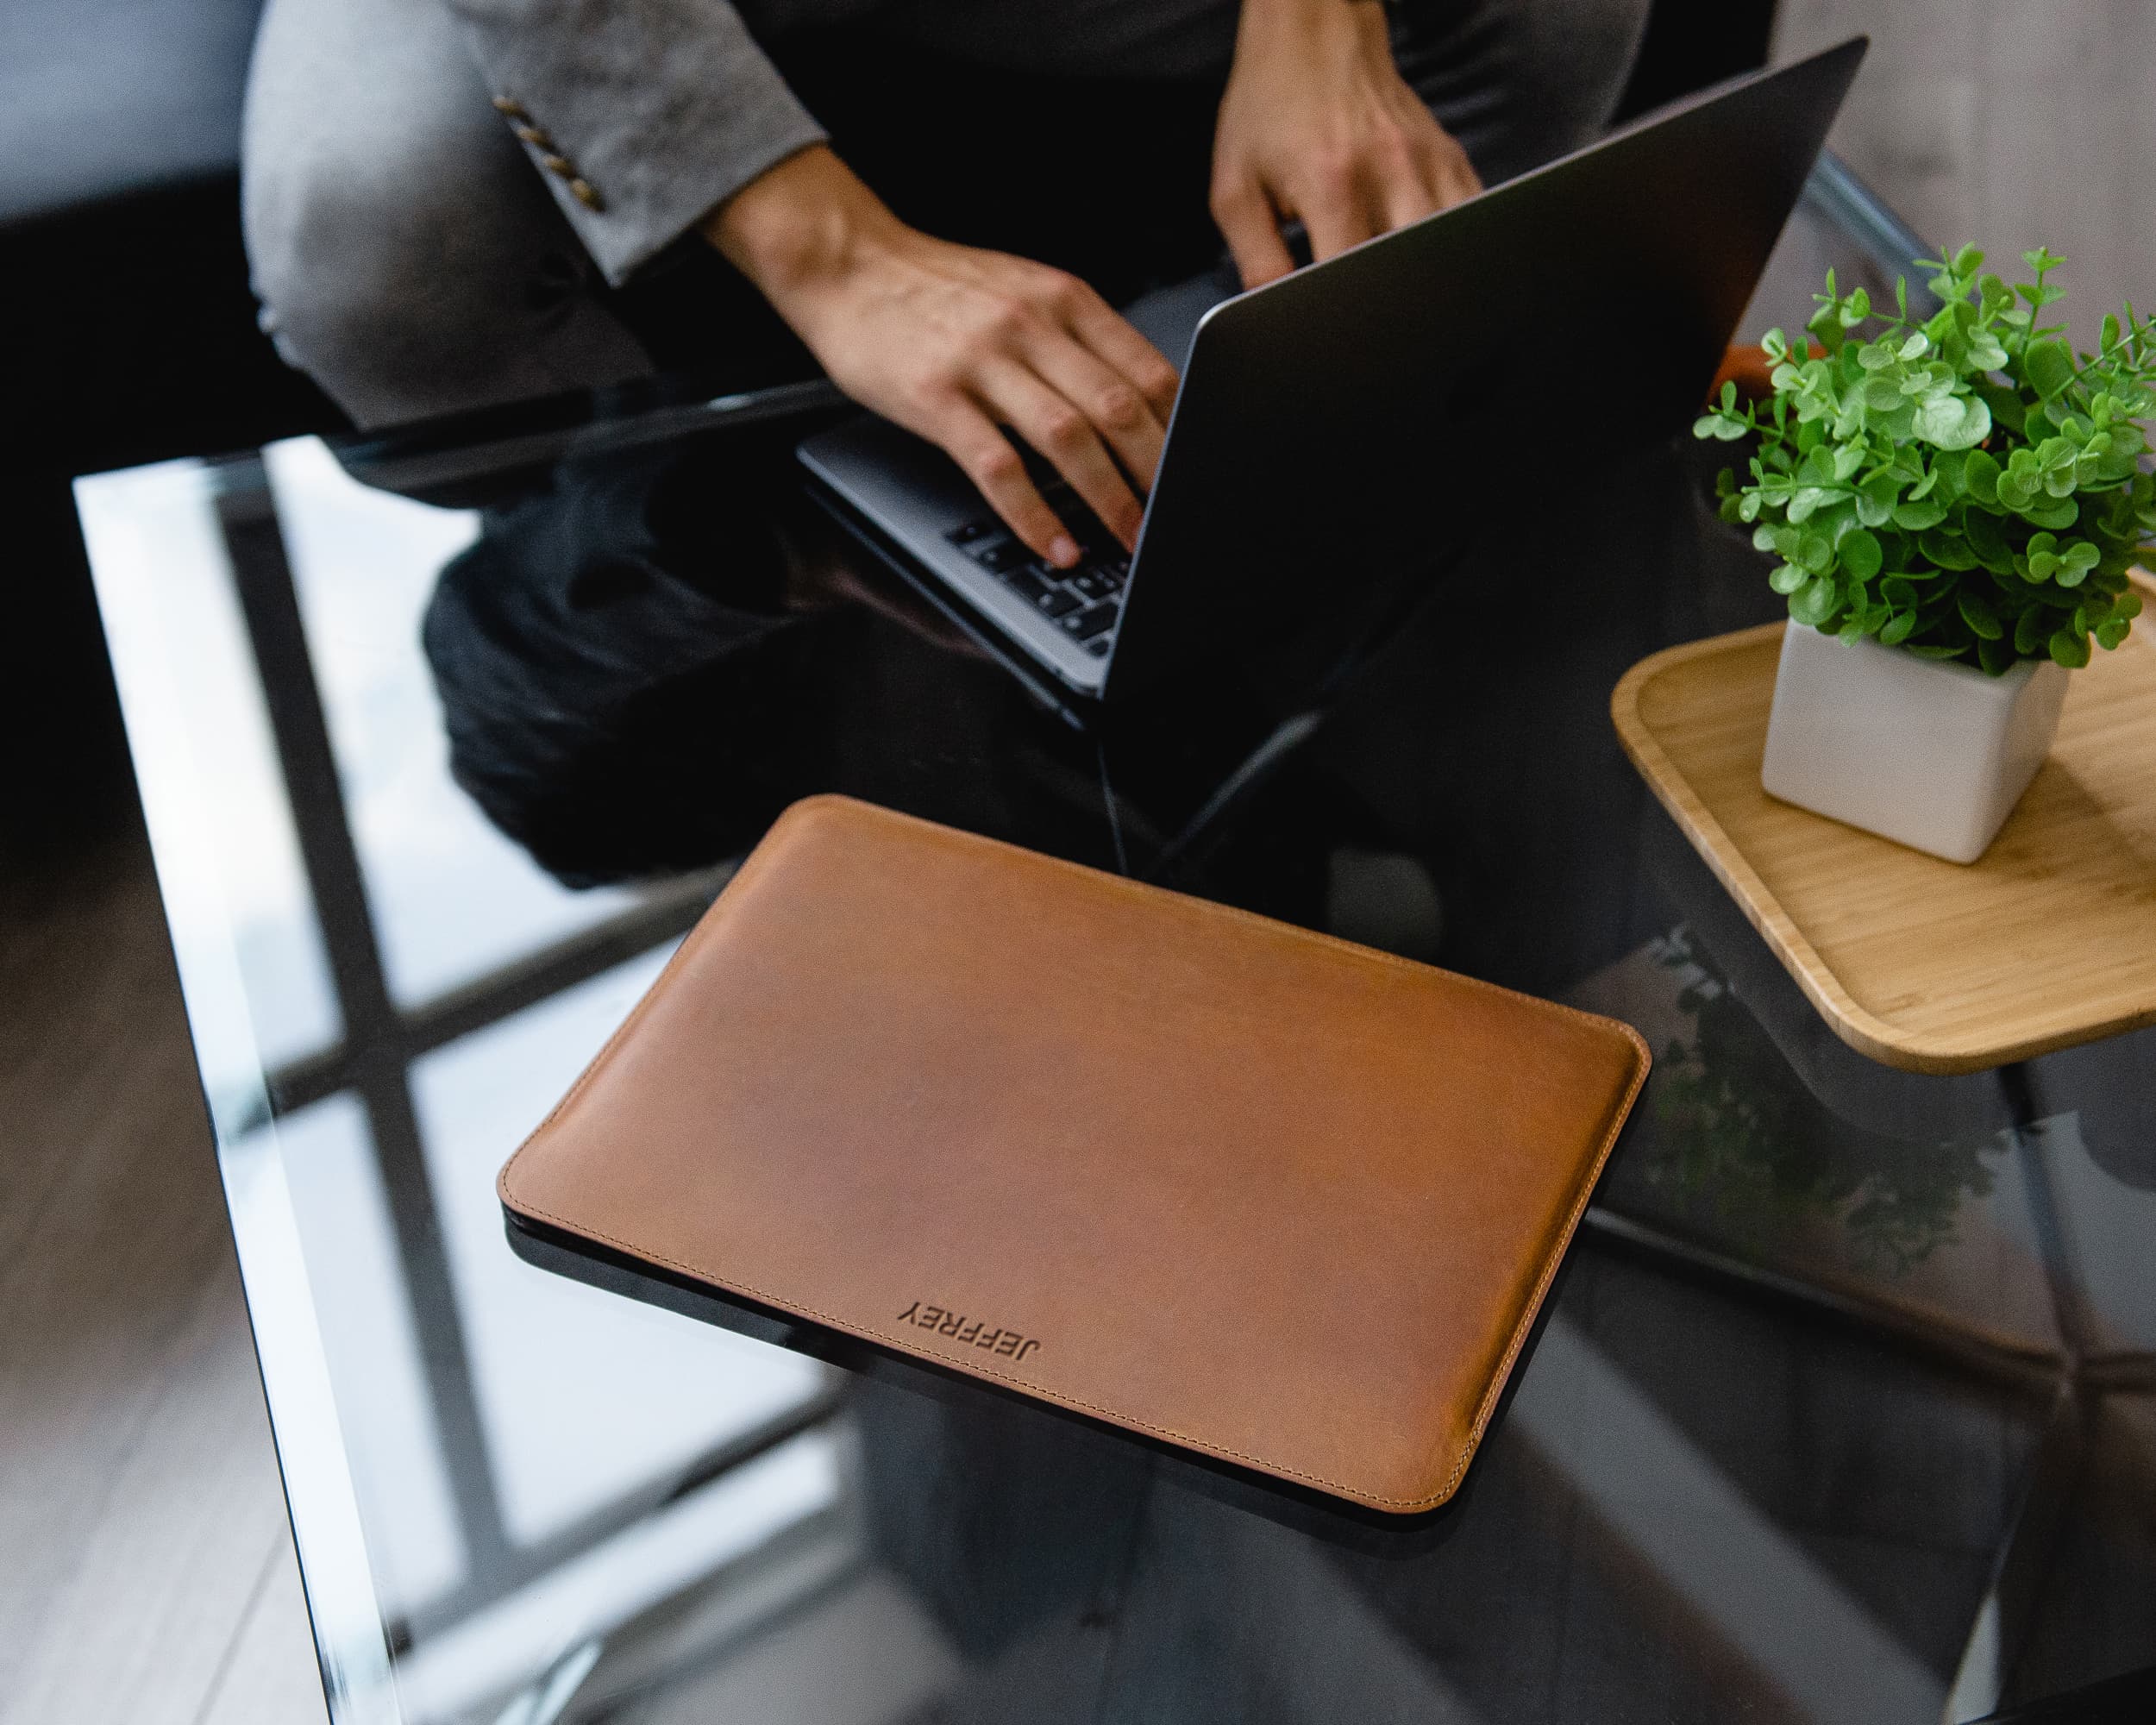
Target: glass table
[1846,1406]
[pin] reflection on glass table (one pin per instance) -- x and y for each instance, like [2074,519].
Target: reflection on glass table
[1845,1407]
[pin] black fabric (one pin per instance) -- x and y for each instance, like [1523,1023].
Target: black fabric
[1106,178]
[647,658]
[572,620]
[635,677]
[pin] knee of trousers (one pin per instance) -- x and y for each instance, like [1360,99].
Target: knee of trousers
[401,307]
[404,251]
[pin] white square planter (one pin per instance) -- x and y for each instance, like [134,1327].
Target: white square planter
[1928,753]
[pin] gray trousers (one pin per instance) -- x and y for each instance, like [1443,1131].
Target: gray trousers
[408,257]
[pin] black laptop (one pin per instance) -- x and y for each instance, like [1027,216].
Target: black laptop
[1341,432]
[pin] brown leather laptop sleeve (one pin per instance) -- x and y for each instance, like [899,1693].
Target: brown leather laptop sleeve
[1278,1199]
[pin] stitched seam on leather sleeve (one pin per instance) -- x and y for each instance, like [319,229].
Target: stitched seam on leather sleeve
[1550,1268]
[906,1345]
[1390,960]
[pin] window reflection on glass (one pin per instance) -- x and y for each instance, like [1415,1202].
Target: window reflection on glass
[608,1626]
[212,796]
[373,1347]
[584,1396]
[451,897]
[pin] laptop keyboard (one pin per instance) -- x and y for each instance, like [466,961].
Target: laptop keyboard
[1085,602]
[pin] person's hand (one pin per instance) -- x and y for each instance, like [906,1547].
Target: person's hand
[1318,123]
[955,344]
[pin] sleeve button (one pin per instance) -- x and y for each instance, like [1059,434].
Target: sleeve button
[586,194]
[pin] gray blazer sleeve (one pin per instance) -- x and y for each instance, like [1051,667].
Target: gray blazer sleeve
[640,114]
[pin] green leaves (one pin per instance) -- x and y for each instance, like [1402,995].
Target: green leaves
[1808,501]
[1815,601]
[1967,488]
[1986,352]
[2046,560]
[1988,542]
[2021,482]
[1976,612]
[2047,367]
[1861,555]
[1954,422]
[1826,326]
[1723,423]
[2039,559]
[2112,629]
[1875,498]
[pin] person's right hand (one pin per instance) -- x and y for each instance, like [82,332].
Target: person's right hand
[955,343]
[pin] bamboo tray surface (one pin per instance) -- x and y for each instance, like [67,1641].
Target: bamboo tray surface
[2047,940]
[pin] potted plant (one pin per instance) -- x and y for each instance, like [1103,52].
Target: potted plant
[1955,504]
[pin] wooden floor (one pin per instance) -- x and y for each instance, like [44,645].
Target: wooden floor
[146,1568]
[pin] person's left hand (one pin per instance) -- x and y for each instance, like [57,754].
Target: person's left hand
[1318,123]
